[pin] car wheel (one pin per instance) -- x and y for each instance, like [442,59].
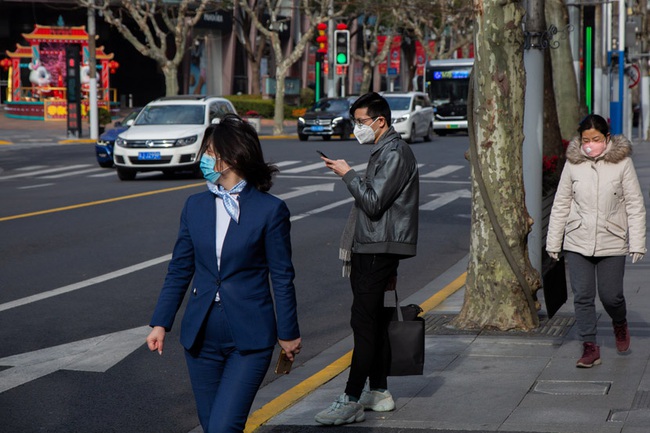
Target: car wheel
[411,137]
[302,137]
[429,136]
[327,137]
[125,174]
[106,164]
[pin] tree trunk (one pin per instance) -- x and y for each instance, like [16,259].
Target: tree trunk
[255,78]
[366,80]
[494,296]
[569,111]
[278,114]
[171,79]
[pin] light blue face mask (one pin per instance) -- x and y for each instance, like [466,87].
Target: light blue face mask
[207,167]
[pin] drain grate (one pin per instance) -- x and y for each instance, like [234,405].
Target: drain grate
[556,326]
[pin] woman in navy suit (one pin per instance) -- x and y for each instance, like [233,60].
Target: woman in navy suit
[232,238]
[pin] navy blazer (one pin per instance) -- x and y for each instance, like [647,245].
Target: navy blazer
[256,248]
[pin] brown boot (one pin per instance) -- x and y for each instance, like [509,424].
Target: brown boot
[590,356]
[622,335]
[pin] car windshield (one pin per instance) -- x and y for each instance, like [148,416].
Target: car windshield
[172,115]
[131,116]
[398,102]
[331,105]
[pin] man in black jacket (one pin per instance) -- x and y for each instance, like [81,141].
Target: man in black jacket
[381,230]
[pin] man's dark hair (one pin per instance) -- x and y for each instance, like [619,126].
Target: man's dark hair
[376,105]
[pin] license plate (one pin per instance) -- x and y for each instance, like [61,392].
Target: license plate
[317,128]
[149,155]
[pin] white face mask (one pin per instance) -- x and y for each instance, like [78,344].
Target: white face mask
[364,133]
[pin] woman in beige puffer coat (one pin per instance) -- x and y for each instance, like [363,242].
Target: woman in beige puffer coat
[598,217]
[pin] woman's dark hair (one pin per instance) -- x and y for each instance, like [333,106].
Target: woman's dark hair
[237,144]
[594,121]
[376,105]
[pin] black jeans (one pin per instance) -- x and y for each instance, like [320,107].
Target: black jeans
[369,276]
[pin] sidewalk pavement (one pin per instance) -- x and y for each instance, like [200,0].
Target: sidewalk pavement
[490,381]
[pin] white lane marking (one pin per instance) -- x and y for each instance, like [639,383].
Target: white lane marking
[443,171]
[321,209]
[285,163]
[106,174]
[35,186]
[304,168]
[445,198]
[303,190]
[72,173]
[38,173]
[31,167]
[85,283]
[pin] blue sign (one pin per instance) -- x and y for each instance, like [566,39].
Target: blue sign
[392,71]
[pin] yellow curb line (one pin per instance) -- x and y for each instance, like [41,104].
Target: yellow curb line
[78,141]
[2,142]
[307,386]
[94,203]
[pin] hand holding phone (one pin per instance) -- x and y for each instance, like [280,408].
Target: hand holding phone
[322,154]
[284,364]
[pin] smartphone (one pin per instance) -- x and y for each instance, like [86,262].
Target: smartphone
[284,365]
[322,154]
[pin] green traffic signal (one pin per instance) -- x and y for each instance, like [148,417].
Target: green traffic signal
[341,59]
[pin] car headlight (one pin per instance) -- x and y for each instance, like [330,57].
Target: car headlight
[401,119]
[301,120]
[186,141]
[120,142]
[103,142]
[337,120]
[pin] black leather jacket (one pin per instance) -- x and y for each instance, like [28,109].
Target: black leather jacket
[387,199]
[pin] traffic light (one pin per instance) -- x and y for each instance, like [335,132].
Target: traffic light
[342,47]
[321,39]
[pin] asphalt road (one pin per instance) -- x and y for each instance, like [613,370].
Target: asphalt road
[83,256]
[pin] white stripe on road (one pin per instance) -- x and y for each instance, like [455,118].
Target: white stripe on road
[35,186]
[285,163]
[108,173]
[447,169]
[40,172]
[321,209]
[31,167]
[72,173]
[86,283]
[304,168]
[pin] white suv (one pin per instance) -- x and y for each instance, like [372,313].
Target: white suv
[167,134]
[412,114]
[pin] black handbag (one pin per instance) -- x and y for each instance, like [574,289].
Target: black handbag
[406,341]
[555,287]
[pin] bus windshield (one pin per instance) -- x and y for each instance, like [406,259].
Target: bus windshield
[448,84]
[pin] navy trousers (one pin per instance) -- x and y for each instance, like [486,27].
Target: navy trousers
[223,379]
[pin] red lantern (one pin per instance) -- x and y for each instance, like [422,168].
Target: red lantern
[5,64]
[113,65]
[341,26]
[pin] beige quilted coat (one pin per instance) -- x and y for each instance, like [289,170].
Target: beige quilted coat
[598,208]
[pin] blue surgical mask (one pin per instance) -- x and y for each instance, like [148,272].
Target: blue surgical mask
[207,167]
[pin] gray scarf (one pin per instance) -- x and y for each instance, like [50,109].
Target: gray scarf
[347,240]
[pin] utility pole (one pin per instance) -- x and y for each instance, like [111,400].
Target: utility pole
[533,124]
[92,72]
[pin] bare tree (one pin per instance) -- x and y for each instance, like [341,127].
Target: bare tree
[375,19]
[315,12]
[448,22]
[501,282]
[160,32]
[253,41]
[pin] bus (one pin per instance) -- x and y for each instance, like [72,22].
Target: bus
[447,84]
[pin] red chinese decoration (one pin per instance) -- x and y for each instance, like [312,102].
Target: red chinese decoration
[5,64]
[113,65]
[341,26]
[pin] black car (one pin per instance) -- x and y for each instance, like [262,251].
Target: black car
[328,117]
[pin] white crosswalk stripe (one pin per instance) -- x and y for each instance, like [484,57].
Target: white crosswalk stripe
[39,172]
[71,173]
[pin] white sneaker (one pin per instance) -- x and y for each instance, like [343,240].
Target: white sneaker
[342,411]
[377,401]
